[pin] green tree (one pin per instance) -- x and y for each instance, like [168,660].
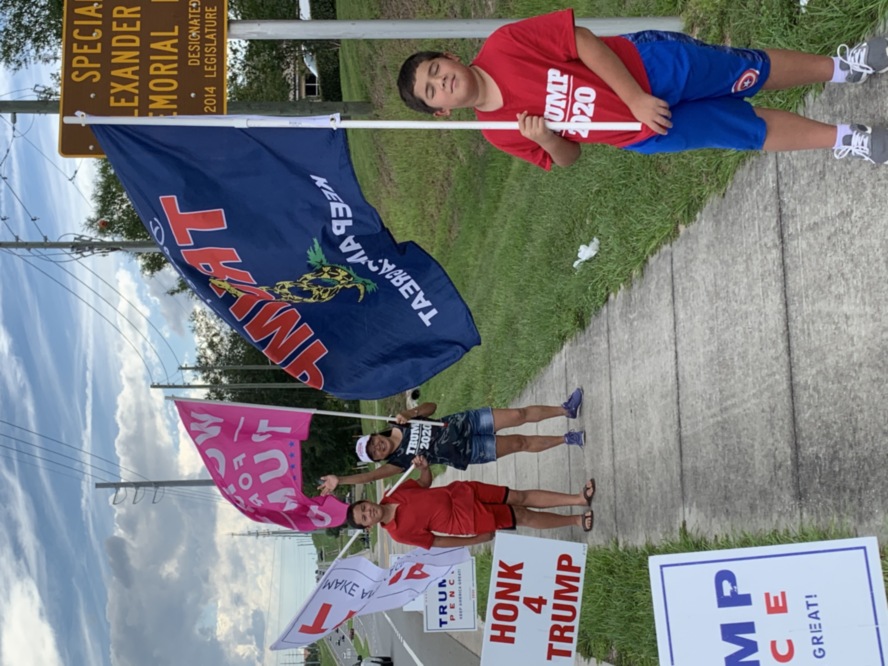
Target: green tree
[115,217]
[30,31]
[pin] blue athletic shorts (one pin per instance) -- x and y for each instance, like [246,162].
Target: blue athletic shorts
[706,87]
[483,436]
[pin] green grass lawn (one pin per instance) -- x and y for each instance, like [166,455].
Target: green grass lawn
[326,654]
[362,645]
[505,231]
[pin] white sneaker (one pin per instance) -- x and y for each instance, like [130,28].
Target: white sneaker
[869,57]
[866,143]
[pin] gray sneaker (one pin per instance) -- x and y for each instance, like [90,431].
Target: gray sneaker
[867,143]
[869,57]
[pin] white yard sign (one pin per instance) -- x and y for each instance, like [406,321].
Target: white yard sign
[808,604]
[533,608]
[451,605]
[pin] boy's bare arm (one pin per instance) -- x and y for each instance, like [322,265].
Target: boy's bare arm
[563,152]
[328,483]
[596,55]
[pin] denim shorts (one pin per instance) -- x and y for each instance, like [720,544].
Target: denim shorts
[483,435]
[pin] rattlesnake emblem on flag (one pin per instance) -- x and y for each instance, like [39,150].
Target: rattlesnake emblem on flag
[319,286]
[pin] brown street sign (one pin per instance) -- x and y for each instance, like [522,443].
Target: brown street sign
[140,58]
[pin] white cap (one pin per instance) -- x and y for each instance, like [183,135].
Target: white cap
[361,449]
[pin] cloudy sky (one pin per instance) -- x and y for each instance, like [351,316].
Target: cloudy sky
[83,581]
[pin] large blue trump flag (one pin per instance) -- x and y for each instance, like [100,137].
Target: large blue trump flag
[270,228]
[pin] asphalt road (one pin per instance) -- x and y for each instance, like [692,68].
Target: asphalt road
[399,634]
[342,647]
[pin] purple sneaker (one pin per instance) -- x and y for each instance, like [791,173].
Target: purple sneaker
[575,438]
[573,404]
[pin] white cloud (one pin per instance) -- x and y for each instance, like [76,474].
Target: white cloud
[174,310]
[14,376]
[26,636]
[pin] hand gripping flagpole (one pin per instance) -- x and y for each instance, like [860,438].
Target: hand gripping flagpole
[334,122]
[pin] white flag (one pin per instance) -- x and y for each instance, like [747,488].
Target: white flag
[356,586]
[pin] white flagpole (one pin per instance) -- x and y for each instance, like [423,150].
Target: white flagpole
[303,410]
[333,122]
[344,549]
[403,478]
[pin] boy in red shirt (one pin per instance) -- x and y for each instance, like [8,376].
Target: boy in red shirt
[464,513]
[686,94]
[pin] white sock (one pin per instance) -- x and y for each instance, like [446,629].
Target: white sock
[839,75]
[841,132]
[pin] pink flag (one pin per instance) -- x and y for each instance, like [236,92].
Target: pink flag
[254,456]
[356,586]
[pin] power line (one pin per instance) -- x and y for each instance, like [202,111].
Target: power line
[33,217]
[120,468]
[19,452]
[112,306]
[44,448]
[135,307]
[94,309]
[18,461]
[16,133]
[71,446]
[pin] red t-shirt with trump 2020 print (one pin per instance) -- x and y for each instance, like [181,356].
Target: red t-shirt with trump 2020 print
[535,64]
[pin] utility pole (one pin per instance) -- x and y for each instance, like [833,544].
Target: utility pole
[302,107]
[254,385]
[154,485]
[303,538]
[178,483]
[84,246]
[208,368]
[427,28]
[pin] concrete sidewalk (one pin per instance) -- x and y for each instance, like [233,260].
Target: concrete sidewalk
[739,384]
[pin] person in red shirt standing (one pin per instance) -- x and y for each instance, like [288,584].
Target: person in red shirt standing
[686,94]
[464,513]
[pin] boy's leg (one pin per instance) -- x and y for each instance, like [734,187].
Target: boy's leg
[512,418]
[790,131]
[545,520]
[506,444]
[851,65]
[544,499]
[793,68]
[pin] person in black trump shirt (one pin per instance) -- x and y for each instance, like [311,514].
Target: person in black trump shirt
[463,439]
